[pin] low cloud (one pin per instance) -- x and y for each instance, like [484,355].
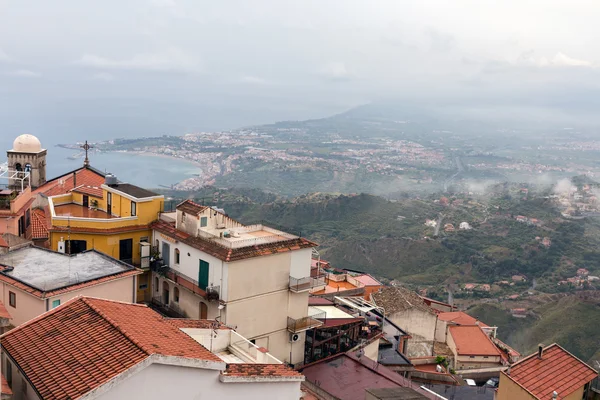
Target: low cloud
[254,80]
[170,60]
[337,71]
[561,59]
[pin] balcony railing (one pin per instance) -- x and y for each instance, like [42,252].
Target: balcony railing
[313,320]
[298,285]
[211,293]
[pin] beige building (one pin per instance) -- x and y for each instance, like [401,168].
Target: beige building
[472,348]
[34,280]
[91,348]
[254,278]
[551,373]
[407,310]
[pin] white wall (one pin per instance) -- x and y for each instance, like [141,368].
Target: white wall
[300,263]
[170,382]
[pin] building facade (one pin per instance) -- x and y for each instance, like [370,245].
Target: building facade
[254,278]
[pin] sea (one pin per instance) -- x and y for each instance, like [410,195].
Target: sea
[147,171]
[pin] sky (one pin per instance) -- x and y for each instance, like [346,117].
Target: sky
[142,67]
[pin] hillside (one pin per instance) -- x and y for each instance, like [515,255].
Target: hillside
[570,321]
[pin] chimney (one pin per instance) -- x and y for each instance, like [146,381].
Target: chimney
[477,322]
[74,180]
[540,351]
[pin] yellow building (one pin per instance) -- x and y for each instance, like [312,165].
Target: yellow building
[113,218]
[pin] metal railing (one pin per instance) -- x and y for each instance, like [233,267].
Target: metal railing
[239,344]
[313,320]
[298,285]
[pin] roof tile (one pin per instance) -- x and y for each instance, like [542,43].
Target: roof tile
[472,341]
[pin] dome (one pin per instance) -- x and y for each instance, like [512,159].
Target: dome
[27,144]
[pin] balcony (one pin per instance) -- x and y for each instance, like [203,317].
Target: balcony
[298,285]
[314,319]
[212,293]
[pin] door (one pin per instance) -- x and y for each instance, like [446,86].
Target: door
[126,250]
[86,201]
[203,311]
[109,203]
[166,252]
[203,275]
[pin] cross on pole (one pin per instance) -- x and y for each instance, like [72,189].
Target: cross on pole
[86,147]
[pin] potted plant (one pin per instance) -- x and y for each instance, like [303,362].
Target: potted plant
[94,204]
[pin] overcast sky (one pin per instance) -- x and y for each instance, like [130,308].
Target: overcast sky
[260,61]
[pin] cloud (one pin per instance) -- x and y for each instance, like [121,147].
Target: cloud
[337,71]
[103,76]
[170,60]
[255,80]
[25,73]
[561,59]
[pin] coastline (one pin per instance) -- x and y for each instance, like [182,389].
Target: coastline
[145,153]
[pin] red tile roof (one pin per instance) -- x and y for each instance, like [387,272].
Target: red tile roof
[100,231]
[95,191]
[196,323]
[64,183]
[4,312]
[38,293]
[472,341]
[228,254]
[266,370]
[459,318]
[558,370]
[85,342]
[5,389]
[189,207]
[39,227]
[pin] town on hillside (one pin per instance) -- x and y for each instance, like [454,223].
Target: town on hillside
[108,294]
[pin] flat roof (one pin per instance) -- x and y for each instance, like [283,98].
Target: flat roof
[132,190]
[48,270]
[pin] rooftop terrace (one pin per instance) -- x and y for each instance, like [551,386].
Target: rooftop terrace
[46,270]
[79,211]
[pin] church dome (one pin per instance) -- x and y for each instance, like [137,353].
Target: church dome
[27,144]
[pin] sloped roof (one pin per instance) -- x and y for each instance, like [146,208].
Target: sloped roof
[472,341]
[39,227]
[396,299]
[558,370]
[85,342]
[4,312]
[459,318]
[231,254]
[4,388]
[133,190]
[95,191]
[189,207]
[265,370]
[85,176]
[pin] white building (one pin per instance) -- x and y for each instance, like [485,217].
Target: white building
[254,278]
[90,348]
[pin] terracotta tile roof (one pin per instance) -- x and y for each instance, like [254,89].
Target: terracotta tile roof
[397,299]
[78,286]
[5,389]
[85,342]
[196,323]
[4,312]
[95,191]
[279,370]
[472,341]
[228,254]
[39,227]
[64,183]
[100,231]
[558,370]
[459,318]
[189,207]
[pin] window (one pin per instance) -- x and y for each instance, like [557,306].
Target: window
[133,208]
[203,275]
[203,221]
[12,299]
[143,286]
[176,256]
[156,284]
[485,357]
[55,303]
[18,167]
[471,356]
[27,218]
[8,373]
[144,239]
[27,167]
[176,294]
